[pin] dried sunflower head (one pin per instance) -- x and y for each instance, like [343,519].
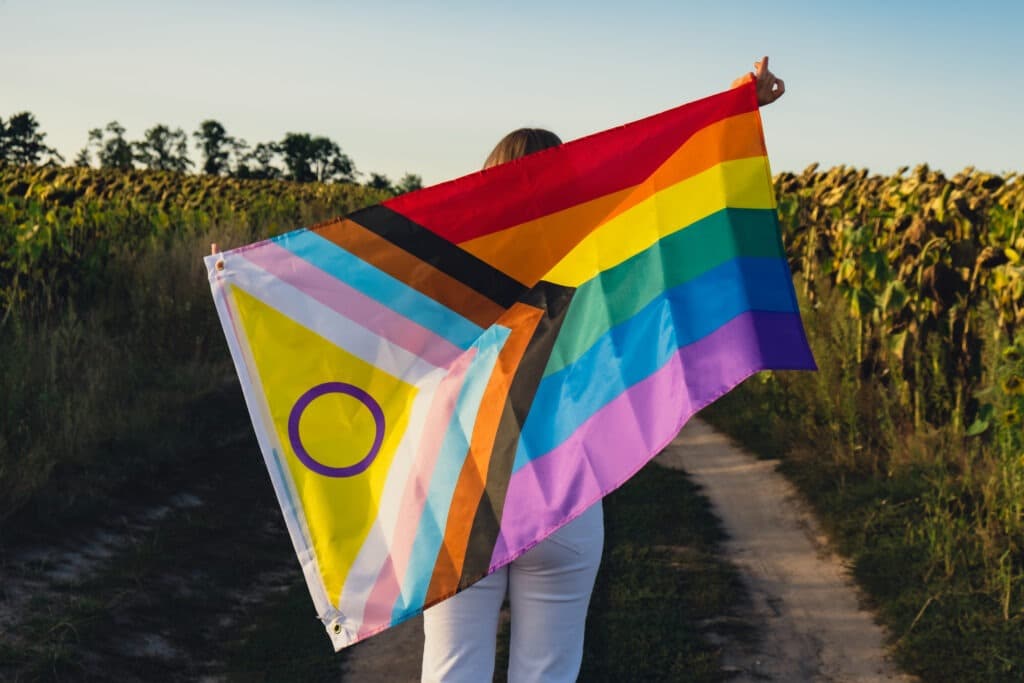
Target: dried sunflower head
[1014,386]
[1013,353]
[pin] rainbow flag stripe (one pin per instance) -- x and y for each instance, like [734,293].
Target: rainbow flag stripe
[440,381]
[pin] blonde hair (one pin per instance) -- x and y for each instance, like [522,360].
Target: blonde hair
[519,143]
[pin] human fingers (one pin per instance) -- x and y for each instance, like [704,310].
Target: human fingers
[761,66]
[213,247]
[770,90]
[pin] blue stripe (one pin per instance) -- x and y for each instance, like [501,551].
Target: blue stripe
[378,285]
[639,346]
[454,450]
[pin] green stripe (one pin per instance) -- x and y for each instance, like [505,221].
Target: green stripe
[617,294]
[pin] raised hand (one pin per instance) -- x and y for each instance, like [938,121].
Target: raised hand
[769,88]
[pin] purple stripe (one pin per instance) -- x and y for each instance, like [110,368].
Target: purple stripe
[353,304]
[626,433]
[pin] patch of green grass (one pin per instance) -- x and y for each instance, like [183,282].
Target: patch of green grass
[284,642]
[946,627]
[181,580]
[101,395]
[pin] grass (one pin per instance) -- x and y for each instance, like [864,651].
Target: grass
[285,642]
[86,386]
[176,592]
[930,519]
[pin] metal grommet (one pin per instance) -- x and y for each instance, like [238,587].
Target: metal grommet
[337,629]
[220,264]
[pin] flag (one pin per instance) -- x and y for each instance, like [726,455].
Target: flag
[440,381]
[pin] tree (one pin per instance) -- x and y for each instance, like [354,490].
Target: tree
[410,182]
[330,164]
[239,152]
[379,181]
[217,147]
[112,149]
[21,142]
[163,149]
[259,163]
[309,159]
[82,160]
[297,149]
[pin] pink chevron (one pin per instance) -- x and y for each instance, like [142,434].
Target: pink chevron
[352,304]
[381,600]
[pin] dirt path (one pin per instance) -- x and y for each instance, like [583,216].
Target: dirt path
[803,602]
[814,628]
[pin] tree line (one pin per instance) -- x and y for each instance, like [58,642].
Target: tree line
[299,157]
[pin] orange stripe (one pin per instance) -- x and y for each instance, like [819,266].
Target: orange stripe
[414,272]
[529,250]
[522,320]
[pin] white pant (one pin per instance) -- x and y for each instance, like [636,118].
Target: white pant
[548,589]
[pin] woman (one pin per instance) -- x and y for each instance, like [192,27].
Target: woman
[549,586]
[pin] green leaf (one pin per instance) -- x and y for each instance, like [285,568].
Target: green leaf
[979,427]
[982,422]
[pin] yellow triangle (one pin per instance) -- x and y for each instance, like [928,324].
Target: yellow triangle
[336,429]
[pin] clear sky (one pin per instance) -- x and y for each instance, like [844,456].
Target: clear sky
[429,88]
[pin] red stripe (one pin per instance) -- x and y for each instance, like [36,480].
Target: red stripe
[555,179]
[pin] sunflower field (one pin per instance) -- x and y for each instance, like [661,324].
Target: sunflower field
[908,441]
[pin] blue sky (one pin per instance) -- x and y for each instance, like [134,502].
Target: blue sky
[429,88]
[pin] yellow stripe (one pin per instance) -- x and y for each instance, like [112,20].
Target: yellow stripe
[529,250]
[740,184]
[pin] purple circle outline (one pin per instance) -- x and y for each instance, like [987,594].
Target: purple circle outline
[335,388]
